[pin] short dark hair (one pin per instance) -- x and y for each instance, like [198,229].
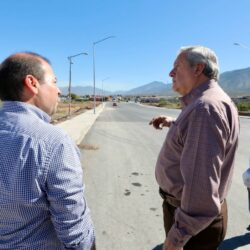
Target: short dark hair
[13,71]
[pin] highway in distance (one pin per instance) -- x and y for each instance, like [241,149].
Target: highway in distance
[119,155]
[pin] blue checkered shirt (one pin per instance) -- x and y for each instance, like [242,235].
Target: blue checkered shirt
[42,204]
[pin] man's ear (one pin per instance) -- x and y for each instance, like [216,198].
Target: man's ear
[199,69]
[31,84]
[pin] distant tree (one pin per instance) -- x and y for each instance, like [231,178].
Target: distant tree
[74,96]
[243,106]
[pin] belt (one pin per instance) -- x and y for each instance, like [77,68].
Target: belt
[169,198]
[172,200]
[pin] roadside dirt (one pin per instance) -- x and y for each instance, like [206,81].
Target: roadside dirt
[76,108]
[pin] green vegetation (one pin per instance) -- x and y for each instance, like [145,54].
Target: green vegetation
[74,96]
[172,103]
[243,106]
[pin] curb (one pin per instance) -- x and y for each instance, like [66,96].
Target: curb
[78,126]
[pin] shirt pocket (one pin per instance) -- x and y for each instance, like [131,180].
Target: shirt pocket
[173,135]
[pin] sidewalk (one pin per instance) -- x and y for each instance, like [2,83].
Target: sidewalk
[78,126]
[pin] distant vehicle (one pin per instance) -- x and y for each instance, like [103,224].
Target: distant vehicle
[114,104]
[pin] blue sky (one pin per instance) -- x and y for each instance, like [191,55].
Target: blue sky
[148,34]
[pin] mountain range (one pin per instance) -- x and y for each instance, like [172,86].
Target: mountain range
[235,83]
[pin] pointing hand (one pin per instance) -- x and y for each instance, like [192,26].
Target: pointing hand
[161,121]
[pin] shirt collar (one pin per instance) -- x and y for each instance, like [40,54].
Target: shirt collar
[23,107]
[197,92]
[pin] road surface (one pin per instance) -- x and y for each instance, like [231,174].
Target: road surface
[119,155]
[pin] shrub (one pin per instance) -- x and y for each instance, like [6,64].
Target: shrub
[243,106]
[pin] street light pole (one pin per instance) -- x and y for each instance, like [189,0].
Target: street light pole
[242,45]
[94,75]
[70,63]
[94,43]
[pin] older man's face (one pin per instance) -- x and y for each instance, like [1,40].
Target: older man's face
[183,75]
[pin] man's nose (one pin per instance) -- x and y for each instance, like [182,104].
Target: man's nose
[172,73]
[59,92]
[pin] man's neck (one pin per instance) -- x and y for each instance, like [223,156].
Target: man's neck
[200,80]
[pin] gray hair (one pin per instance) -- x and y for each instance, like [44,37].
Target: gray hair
[200,54]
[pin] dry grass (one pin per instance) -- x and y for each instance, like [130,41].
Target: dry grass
[76,108]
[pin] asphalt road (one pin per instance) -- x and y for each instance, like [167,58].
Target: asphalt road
[119,155]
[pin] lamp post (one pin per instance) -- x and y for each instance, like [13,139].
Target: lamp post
[242,45]
[70,63]
[94,43]
[102,86]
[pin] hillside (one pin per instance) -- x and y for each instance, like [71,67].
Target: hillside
[236,82]
[153,88]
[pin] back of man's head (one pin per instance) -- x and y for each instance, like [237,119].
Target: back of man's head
[200,54]
[13,71]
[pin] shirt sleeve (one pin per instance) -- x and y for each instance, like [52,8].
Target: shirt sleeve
[203,153]
[65,192]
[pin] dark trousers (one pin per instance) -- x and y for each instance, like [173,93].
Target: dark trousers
[93,247]
[248,190]
[209,238]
